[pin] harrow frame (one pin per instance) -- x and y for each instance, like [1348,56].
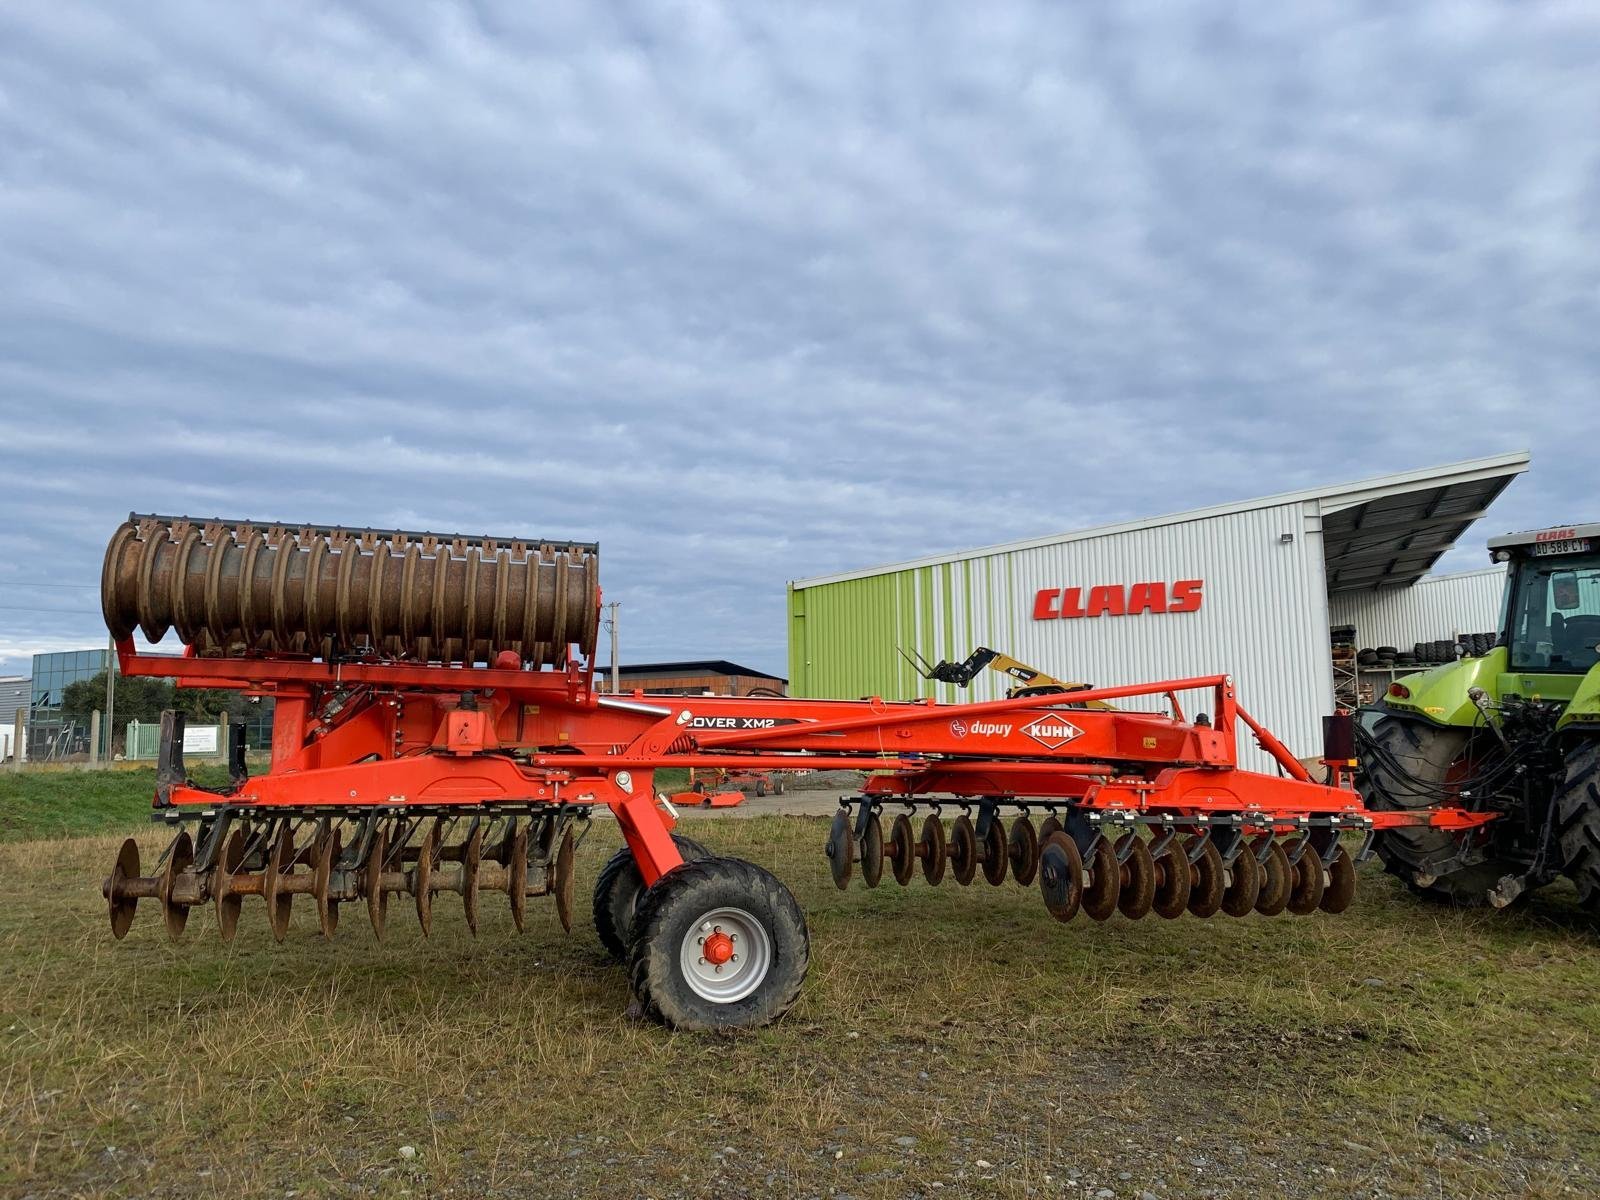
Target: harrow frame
[369,745]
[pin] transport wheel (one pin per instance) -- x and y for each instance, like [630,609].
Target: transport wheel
[963,850]
[1276,878]
[1244,884]
[1341,887]
[1205,890]
[617,891]
[1578,820]
[122,907]
[841,849]
[1061,876]
[995,858]
[872,852]
[1105,881]
[1023,850]
[1138,883]
[718,943]
[1173,881]
[933,850]
[903,850]
[1412,764]
[1305,894]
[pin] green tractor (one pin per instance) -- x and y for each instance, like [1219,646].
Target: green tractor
[1514,731]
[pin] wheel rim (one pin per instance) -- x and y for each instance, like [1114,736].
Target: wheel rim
[726,955]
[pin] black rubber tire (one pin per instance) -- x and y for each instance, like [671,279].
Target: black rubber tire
[667,915]
[616,895]
[1426,752]
[1578,820]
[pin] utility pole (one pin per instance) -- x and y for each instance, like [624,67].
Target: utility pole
[611,624]
[111,694]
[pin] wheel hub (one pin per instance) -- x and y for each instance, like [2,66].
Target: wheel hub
[726,955]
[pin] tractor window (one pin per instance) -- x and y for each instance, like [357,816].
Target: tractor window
[1555,614]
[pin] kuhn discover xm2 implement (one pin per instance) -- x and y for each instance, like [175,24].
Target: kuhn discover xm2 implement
[1514,732]
[437,730]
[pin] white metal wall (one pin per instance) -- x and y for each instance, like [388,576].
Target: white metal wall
[1439,606]
[1263,618]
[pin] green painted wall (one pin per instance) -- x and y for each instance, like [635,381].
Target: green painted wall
[844,637]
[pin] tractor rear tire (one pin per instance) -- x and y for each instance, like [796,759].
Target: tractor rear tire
[1427,753]
[617,891]
[1578,820]
[718,944]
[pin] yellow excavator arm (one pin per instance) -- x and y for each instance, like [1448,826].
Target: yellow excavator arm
[1030,680]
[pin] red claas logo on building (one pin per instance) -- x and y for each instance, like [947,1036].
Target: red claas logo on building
[1117,600]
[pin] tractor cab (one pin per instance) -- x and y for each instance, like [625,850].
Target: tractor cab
[1552,612]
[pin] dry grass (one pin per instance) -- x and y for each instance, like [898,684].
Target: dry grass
[1398,1050]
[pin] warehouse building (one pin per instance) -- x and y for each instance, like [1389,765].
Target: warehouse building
[1251,588]
[697,677]
[14,691]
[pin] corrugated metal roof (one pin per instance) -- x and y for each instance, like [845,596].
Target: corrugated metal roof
[1387,530]
[697,666]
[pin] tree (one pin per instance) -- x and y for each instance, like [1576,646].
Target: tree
[137,699]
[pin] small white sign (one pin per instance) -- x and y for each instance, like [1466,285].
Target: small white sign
[200,739]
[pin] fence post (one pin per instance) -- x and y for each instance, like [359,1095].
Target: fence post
[19,742]
[94,738]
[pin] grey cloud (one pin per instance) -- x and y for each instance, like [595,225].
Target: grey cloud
[754,292]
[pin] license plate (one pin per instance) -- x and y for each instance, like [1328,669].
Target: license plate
[1570,546]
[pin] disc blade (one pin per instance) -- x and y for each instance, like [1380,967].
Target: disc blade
[1341,889]
[840,849]
[121,907]
[995,859]
[1138,890]
[422,878]
[517,883]
[561,881]
[872,852]
[226,900]
[1105,881]
[329,847]
[372,882]
[279,900]
[1244,884]
[932,849]
[1275,876]
[1205,890]
[179,858]
[1061,876]
[1173,878]
[1023,850]
[1305,894]
[902,849]
[471,857]
[963,850]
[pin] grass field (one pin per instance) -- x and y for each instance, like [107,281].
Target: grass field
[950,1042]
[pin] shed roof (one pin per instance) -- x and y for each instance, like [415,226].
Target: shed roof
[1381,532]
[695,666]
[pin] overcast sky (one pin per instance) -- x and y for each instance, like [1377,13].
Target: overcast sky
[754,292]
